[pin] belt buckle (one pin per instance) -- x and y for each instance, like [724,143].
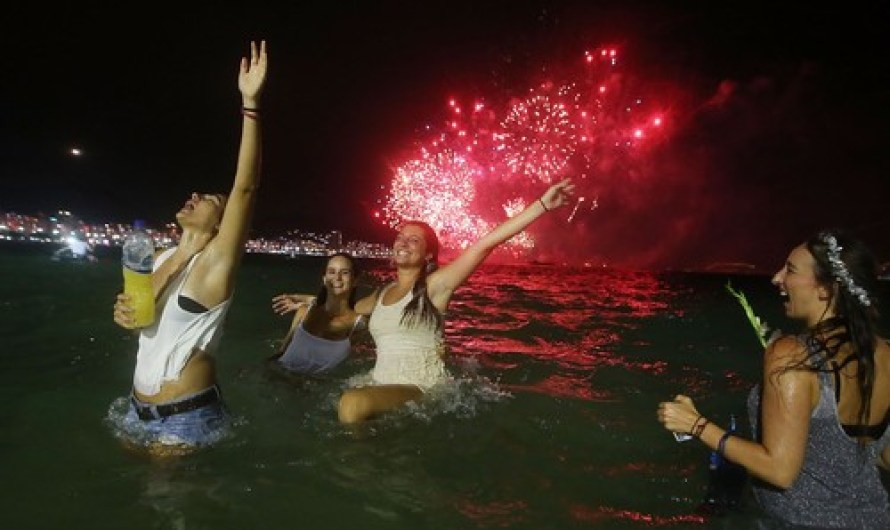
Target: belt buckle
[152,412]
[145,412]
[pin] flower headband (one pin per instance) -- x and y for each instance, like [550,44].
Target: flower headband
[840,272]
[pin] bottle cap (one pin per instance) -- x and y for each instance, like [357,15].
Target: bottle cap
[139,224]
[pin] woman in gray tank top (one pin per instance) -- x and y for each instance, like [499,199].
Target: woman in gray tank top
[324,325]
[820,415]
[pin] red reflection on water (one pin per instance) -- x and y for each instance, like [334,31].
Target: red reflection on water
[564,386]
[573,320]
[500,513]
[601,513]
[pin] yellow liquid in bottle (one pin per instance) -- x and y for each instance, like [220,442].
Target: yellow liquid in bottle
[138,286]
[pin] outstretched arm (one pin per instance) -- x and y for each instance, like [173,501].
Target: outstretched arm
[299,316]
[227,248]
[444,281]
[284,303]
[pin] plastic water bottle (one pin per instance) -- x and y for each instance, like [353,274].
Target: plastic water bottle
[137,259]
[714,501]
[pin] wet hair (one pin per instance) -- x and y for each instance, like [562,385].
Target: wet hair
[420,308]
[322,295]
[854,322]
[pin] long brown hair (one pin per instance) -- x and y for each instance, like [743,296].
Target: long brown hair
[847,262]
[420,308]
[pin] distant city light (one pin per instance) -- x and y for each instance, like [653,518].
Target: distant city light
[66,228]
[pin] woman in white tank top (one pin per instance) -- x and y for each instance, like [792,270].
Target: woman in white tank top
[406,323]
[175,405]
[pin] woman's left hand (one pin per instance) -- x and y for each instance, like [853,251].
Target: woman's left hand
[678,415]
[558,194]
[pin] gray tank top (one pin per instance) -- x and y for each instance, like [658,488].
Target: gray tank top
[308,354]
[839,485]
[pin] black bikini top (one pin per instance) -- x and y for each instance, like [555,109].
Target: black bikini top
[188,304]
[856,431]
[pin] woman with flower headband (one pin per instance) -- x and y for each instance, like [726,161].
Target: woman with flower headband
[820,416]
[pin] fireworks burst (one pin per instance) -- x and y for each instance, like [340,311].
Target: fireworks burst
[537,137]
[594,126]
[437,188]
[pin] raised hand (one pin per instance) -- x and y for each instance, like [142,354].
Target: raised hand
[252,75]
[558,194]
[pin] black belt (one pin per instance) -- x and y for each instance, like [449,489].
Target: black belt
[147,411]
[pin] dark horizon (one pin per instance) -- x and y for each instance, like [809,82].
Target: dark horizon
[782,110]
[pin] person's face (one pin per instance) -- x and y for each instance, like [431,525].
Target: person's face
[805,298]
[410,247]
[202,210]
[338,276]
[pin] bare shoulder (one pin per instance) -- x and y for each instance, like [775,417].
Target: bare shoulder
[788,349]
[366,304]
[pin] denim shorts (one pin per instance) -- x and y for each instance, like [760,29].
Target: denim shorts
[199,427]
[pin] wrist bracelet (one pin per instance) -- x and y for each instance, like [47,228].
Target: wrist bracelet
[700,429]
[544,206]
[694,423]
[721,446]
[250,113]
[248,109]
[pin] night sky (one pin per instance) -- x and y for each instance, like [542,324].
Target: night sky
[779,129]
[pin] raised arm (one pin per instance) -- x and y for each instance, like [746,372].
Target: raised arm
[444,281]
[227,247]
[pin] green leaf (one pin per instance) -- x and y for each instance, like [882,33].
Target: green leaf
[760,328]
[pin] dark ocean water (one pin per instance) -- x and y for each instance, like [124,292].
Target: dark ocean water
[550,423]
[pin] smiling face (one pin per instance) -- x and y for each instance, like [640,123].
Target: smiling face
[203,211]
[339,276]
[805,298]
[410,248]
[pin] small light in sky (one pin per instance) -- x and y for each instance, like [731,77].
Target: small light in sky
[74,151]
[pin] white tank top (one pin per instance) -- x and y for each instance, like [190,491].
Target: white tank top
[167,345]
[406,355]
